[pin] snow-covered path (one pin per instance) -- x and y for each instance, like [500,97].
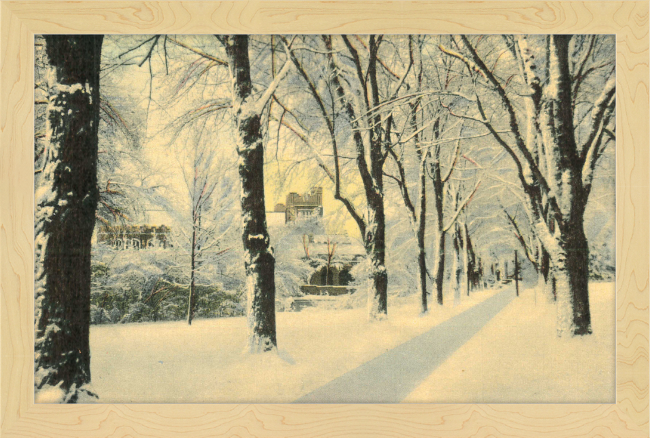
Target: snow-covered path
[392,376]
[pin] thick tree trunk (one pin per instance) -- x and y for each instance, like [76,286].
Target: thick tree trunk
[570,270]
[258,258]
[376,249]
[559,179]
[66,198]
[567,247]
[376,229]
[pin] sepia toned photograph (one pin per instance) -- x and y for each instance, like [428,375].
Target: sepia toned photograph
[325,218]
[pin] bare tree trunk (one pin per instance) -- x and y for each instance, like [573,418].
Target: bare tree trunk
[421,233]
[516,273]
[438,193]
[570,270]
[544,276]
[375,243]
[440,265]
[468,257]
[374,230]
[258,258]
[569,253]
[418,218]
[66,199]
[421,221]
[558,188]
[457,266]
[191,300]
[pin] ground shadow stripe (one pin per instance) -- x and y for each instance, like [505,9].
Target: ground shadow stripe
[390,377]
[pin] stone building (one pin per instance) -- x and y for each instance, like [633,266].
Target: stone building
[134,236]
[298,207]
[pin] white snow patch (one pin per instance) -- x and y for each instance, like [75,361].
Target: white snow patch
[171,362]
[517,358]
[86,394]
[50,394]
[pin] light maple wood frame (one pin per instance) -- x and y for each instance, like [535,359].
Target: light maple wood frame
[22,418]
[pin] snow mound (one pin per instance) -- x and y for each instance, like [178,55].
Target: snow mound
[50,394]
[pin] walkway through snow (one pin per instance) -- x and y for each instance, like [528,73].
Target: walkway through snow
[391,377]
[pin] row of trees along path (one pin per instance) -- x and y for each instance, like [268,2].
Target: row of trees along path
[376,100]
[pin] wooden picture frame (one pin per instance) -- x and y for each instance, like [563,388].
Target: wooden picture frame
[21,417]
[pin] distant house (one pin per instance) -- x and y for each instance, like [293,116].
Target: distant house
[139,233]
[297,207]
[331,257]
[134,236]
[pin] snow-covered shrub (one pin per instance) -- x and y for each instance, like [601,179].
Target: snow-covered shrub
[210,301]
[602,256]
[293,267]
[115,314]
[138,312]
[99,315]
[135,286]
[601,265]
[170,312]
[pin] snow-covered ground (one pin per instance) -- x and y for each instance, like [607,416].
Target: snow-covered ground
[516,358]
[171,362]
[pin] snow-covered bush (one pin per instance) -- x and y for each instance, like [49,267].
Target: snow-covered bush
[99,315]
[138,312]
[293,268]
[139,286]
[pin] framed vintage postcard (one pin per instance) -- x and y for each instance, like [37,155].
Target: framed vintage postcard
[346,218]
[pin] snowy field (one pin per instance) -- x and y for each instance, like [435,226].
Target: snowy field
[171,362]
[514,358]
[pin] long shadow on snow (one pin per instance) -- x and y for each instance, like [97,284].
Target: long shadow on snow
[390,377]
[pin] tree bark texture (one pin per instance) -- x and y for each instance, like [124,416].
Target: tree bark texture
[191,302]
[375,243]
[440,265]
[438,194]
[457,276]
[259,261]
[66,198]
[422,263]
[421,222]
[468,260]
[569,253]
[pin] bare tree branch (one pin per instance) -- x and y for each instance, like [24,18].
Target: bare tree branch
[198,52]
